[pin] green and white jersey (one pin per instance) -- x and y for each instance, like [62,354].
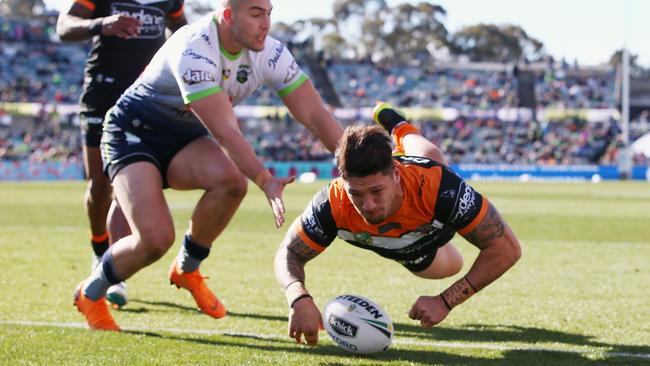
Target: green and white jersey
[191,65]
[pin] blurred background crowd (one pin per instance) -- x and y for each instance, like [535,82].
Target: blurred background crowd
[37,69]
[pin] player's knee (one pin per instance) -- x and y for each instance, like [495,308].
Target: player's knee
[235,185]
[156,242]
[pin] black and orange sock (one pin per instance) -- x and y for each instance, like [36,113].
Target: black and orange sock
[99,244]
[389,119]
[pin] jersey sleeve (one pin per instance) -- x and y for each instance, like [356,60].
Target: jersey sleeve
[458,203]
[317,226]
[89,4]
[195,69]
[283,73]
[177,10]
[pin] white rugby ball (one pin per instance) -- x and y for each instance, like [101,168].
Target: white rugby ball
[357,324]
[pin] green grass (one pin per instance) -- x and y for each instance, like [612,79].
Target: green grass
[579,295]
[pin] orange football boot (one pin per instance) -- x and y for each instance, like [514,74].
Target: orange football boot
[97,314]
[194,283]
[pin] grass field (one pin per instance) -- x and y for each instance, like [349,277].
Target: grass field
[578,296]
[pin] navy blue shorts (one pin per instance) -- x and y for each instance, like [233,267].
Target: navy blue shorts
[93,107]
[130,138]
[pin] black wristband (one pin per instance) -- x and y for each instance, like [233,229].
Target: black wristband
[95,27]
[300,297]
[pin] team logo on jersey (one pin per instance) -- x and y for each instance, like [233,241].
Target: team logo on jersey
[273,61]
[225,74]
[152,19]
[193,77]
[363,237]
[242,73]
[291,72]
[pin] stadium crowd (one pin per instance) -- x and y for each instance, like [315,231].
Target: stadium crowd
[492,87]
[35,67]
[464,140]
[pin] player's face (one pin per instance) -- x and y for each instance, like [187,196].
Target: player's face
[251,23]
[375,196]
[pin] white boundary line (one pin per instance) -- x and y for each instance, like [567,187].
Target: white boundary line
[484,346]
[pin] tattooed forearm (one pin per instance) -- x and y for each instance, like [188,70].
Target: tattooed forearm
[291,258]
[301,250]
[490,228]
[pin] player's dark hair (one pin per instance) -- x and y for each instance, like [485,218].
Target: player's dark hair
[363,151]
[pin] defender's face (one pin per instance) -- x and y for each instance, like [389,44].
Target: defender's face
[252,23]
[375,197]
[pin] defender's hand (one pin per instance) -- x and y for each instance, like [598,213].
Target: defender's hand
[429,310]
[120,26]
[273,189]
[305,318]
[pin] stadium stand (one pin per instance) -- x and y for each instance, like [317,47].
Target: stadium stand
[40,81]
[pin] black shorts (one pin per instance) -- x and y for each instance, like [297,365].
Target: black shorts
[129,138]
[94,104]
[421,263]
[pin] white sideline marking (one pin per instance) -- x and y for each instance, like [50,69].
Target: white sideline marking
[484,346]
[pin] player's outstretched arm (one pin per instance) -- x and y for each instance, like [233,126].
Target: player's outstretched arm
[290,259]
[306,106]
[500,250]
[499,247]
[216,113]
[77,25]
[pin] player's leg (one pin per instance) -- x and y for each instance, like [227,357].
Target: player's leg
[447,262]
[203,164]
[138,188]
[97,199]
[118,228]
[407,137]
[98,196]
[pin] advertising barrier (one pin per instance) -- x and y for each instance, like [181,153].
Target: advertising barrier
[26,170]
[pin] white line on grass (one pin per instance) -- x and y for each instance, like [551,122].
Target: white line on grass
[440,344]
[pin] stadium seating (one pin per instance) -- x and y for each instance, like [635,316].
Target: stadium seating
[36,68]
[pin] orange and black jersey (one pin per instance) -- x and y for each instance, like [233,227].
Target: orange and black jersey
[437,204]
[115,63]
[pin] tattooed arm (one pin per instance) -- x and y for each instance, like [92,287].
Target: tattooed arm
[290,259]
[499,247]
[499,251]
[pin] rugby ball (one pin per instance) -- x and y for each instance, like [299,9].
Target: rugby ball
[357,324]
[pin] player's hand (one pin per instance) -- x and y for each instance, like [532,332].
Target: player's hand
[305,319]
[429,310]
[120,25]
[273,189]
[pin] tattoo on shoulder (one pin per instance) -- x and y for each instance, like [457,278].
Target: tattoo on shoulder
[300,249]
[490,228]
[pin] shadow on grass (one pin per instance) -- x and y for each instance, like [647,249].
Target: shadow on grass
[164,304]
[493,334]
[170,305]
[508,333]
